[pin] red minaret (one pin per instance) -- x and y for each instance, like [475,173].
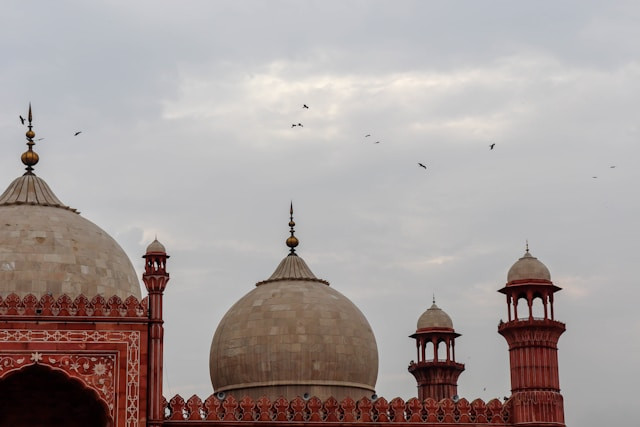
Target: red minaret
[437,378]
[533,344]
[155,278]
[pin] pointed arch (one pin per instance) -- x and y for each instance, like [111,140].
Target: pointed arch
[38,395]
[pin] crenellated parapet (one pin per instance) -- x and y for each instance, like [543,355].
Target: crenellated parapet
[79,307]
[222,410]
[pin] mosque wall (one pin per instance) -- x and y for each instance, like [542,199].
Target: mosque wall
[101,344]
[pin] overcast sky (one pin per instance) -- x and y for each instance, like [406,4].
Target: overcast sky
[186,110]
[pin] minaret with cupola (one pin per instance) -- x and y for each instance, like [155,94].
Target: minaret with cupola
[437,377]
[533,344]
[155,278]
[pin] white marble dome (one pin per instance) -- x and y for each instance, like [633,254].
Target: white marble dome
[46,247]
[294,335]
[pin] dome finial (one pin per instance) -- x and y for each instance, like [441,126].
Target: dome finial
[30,158]
[292,241]
[434,297]
[527,245]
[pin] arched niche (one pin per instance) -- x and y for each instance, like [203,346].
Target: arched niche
[37,395]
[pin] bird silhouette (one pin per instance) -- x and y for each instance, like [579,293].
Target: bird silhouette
[492,145]
[77,133]
[367,135]
[612,167]
[377,142]
[421,165]
[300,124]
[305,106]
[21,119]
[293,125]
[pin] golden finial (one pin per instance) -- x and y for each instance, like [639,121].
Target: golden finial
[30,158]
[527,245]
[292,241]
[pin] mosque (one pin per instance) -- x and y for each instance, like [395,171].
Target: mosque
[81,345]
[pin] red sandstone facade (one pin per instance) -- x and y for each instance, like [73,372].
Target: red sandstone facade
[97,362]
[53,352]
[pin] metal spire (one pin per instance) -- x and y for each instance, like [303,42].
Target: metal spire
[292,241]
[30,158]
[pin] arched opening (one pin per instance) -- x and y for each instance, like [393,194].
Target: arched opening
[429,351]
[443,349]
[538,306]
[522,307]
[40,396]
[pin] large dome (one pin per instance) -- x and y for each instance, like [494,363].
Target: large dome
[294,335]
[46,247]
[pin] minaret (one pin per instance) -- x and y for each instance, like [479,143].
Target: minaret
[437,377]
[533,345]
[155,278]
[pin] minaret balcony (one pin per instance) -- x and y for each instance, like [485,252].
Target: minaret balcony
[530,321]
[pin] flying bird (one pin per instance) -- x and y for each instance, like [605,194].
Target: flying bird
[594,177]
[377,142]
[612,167]
[77,133]
[367,135]
[305,106]
[421,165]
[39,139]
[293,125]
[21,119]
[492,145]
[300,124]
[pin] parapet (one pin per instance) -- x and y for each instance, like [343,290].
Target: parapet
[81,307]
[220,409]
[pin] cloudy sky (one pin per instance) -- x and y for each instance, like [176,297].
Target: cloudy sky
[186,110]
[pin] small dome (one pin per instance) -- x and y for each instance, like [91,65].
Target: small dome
[48,248]
[434,317]
[156,247]
[294,334]
[528,267]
